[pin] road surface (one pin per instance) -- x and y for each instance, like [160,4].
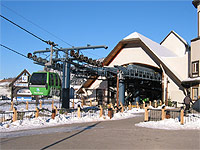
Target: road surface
[119,134]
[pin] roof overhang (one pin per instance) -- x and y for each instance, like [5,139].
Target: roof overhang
[137,42]
[191,82]
[196,3]
[111,56]
[23,72]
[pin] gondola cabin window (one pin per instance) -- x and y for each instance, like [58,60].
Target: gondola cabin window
[38,79]
[51,80]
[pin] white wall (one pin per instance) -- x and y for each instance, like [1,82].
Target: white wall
[98,84]
[179,66]
[133,55]
[174,44]
[195,50]
[175,94]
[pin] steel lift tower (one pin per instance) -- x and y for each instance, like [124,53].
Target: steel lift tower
[65,66]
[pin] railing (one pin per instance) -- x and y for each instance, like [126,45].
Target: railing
[6,116]
[178,114]
[191,116]
[30,102]
[90,112]
[156,114]
[20,115]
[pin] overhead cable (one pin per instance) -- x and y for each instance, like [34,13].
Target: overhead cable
[37,25]
[13,50]
[24,29]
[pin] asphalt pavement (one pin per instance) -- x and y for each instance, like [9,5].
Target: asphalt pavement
[118,134]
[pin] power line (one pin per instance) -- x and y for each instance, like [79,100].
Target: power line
[47,42]
[93,54]
[13,50]
[37,25]
[24,29]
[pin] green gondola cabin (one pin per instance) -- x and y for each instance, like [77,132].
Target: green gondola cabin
[45,84]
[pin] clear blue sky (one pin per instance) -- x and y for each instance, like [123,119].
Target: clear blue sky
[88,22]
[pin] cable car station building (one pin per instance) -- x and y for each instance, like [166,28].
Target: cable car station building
[173,59]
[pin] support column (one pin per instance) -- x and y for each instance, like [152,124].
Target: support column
[166,92]
[108,94]
[12,93]
[66,86]
[117,90]
[121,90]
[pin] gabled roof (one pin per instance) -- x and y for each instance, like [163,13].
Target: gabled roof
[196,3]
[23,72]
[154,49]
[178,36]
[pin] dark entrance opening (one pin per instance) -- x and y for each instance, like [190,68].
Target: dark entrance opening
[138,88]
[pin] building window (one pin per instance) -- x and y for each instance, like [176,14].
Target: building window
[195,68]
[195,93]
[100,94]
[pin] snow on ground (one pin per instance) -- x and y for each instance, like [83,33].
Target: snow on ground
[170,124]
[160,107]
[4,91]
[191,123]
[70,118]
[61,119]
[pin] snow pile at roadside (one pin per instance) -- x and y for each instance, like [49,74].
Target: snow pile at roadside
[61,119]
[127,114]
[160,107]
[172,124]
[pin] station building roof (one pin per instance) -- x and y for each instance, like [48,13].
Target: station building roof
[156,50]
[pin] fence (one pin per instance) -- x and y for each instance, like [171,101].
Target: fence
[30,103]
[90,112]
[179,114]
[191,116]
[18,115]
[156,114]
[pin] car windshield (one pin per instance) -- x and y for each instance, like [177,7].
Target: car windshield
[38,79]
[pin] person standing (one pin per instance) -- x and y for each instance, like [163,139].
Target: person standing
[187,101]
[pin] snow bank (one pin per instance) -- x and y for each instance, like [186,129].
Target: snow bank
[172,124]
[61,119]
[160,107]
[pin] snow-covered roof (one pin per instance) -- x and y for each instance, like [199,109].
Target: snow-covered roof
[158,50]
[4,84]
[177,35]
[155,47]
[197,79]
[183,40]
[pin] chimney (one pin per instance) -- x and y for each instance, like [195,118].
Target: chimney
[196,4]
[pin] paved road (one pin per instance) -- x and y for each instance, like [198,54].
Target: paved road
[119,134]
